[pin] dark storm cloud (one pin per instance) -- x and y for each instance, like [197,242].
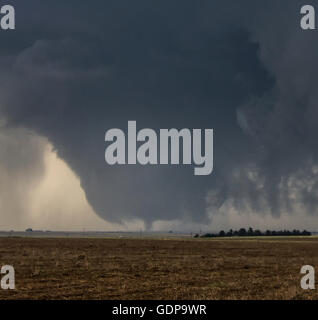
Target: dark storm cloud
[74,69]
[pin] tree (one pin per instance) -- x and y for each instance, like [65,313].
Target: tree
[242,232]
[250,232]
[222,233]
[230,233]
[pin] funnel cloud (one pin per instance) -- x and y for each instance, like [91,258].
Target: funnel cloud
[71,71]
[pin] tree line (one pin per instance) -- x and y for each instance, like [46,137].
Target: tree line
[254,233]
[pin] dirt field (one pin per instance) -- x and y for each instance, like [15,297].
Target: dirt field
[158,269]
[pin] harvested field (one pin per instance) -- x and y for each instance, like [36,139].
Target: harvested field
[158,269]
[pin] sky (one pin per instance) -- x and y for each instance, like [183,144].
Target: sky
[73,70]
